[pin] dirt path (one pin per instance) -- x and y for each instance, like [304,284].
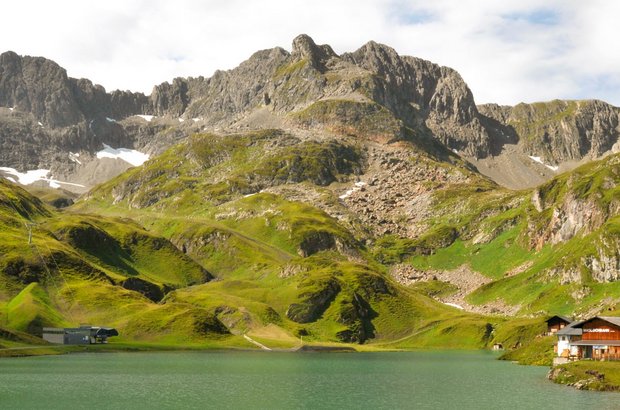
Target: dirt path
[262,346]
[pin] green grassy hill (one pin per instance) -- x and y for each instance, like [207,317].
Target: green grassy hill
[246,234]
[89,269]
[553,249]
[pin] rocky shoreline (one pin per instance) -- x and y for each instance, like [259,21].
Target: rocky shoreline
[586,376]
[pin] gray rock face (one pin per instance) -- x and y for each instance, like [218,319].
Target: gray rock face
[305,48]
[427,102]
[226,96]
[171,99]
[39,86]
[432,99]
[424,94]
[559,131]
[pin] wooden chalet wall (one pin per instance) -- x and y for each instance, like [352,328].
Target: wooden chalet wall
[599,329]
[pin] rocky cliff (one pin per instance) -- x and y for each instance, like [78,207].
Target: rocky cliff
[423,95]
[560,131]
[373,92]
[41,87]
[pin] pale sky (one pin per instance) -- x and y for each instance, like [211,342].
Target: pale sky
[508,51]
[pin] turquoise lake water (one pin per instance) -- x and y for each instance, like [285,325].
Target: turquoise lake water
[257,380]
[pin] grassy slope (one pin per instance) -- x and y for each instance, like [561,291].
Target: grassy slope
[253,245]
[496,237]
[196,195]
[586,372]
[71,273]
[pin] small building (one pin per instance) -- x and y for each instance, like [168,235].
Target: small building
[555,323]
[82,335]
[600,338]
[567,336]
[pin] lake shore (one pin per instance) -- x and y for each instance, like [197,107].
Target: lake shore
[588,375]
[221,345]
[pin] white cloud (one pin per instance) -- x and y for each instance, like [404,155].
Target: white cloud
[508,51]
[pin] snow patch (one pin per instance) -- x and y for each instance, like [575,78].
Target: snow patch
[11,108]
[181,119]
[135,158]
[28,177]
[74,157]
[358,185]
[454,305]
[108,119]
[536,159]
[32,176]
[197,119]
[148,118]
[40,123]
[54,183]
[540,161]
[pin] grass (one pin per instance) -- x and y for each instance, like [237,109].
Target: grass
[347,117]
[587,371]
[31,310]
[199,206]
[434,288]
[533,119]
[123,247]
[492,259]
[536,352]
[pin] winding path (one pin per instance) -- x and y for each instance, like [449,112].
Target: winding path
[262,346]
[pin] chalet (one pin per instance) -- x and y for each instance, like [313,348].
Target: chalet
[597,338]
[600,338]
[82,335]
[556,323]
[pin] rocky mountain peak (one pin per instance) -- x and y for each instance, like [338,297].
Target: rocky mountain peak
[377,57]
[39,86]
[304,47]
[313,87]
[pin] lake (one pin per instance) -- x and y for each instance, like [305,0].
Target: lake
[236,380]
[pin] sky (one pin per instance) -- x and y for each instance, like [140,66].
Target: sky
[508,51]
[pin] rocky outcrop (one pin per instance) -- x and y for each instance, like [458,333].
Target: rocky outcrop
[570,217]
[148,289]
[304,48]
[357,314]
[316,298]
[171,99]
[315,242]
[41,87]
[558,131]
[224,97]
[424,94]
[580,379]
[604,267]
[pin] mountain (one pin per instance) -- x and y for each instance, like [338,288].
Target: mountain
[58,123]
[557,135]
[340,198]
